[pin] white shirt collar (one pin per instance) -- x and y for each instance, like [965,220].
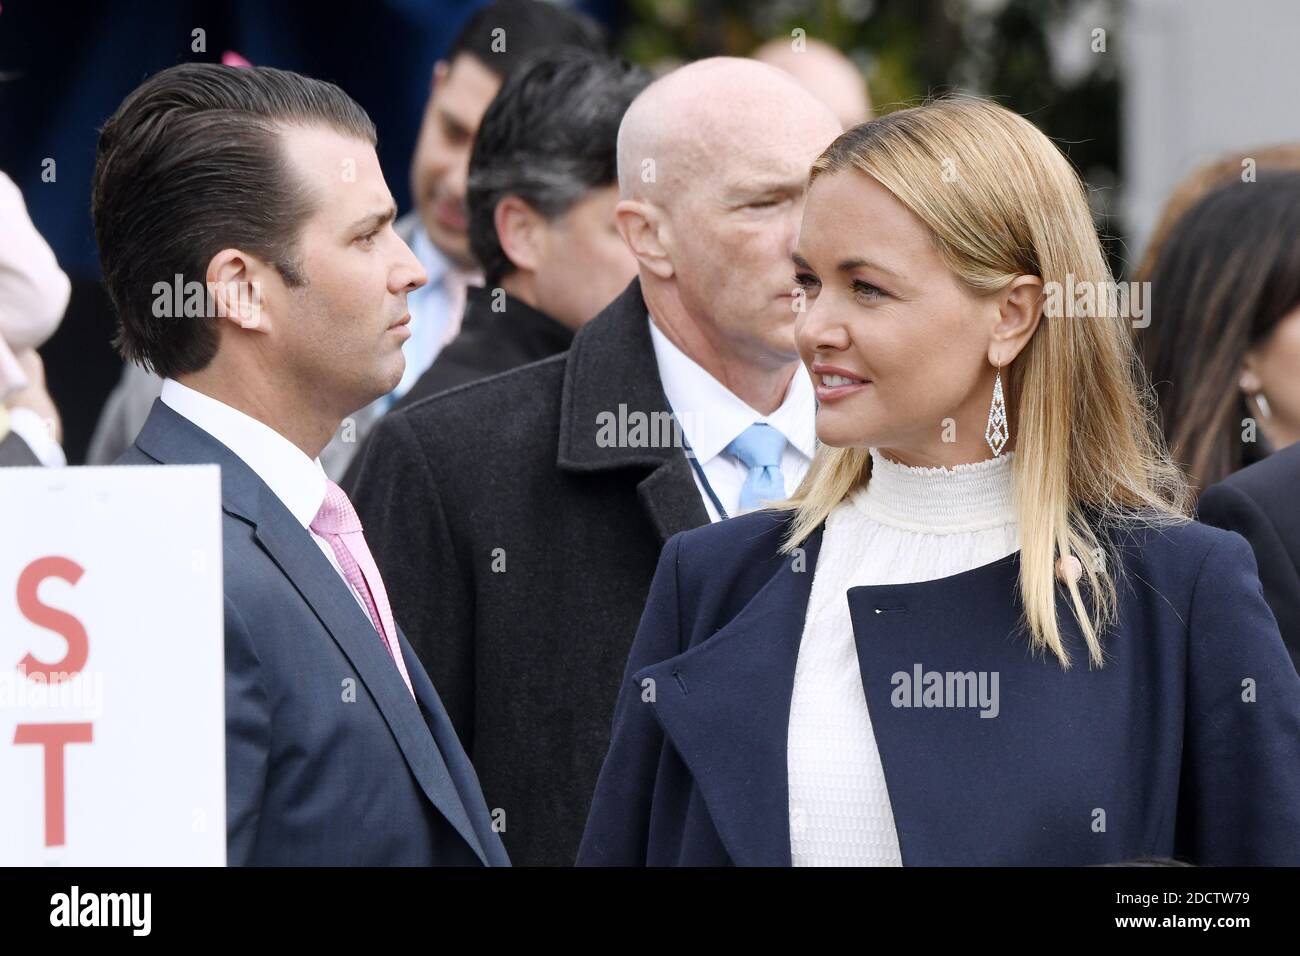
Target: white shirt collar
[712,416]
[963,498]
[298,481]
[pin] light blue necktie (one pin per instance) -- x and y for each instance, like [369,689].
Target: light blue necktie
[759,449]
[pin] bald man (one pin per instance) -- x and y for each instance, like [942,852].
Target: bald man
[518,520]
[824,72]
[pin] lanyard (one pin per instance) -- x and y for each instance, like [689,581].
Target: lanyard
[698,468]
[708,488]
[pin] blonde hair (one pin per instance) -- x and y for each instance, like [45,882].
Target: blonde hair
[1001,201]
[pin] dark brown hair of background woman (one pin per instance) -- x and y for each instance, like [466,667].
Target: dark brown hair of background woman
[1227,274]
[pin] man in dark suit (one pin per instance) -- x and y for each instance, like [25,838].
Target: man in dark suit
[543,184]
[1259,502]
[520,518]
[279,307]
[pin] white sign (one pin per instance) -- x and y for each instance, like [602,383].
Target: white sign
[112,668]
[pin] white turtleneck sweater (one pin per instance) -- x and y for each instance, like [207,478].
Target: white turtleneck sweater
[907,524]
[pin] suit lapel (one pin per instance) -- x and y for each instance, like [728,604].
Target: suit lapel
[725,704]
[316,580]
[451,755]
[169,438]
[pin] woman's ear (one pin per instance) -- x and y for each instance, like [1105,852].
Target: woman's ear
[642,228]
[1020,306]
[1249,381]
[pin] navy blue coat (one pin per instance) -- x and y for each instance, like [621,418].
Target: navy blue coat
[312,777]
[1259,503]
[1185,744]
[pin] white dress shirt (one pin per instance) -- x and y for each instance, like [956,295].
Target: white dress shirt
[712,417]
[298,481]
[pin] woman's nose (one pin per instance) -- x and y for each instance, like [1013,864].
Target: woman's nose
[817,328]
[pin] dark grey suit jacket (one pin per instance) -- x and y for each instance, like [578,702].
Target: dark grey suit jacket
[329,759]
[518,546]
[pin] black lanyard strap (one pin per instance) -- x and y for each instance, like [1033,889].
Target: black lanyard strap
[698,468]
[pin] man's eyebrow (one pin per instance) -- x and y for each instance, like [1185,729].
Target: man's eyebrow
[375,220]
[763,186]
[455,119]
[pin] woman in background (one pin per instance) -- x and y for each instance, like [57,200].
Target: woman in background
[983,631]
[1223,346]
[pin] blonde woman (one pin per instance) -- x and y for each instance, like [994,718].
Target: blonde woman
[983,631]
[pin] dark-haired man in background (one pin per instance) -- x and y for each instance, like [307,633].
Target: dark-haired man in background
[543,184]
[271,200]
[492,44]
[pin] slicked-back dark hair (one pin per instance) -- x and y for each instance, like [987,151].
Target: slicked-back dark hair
[525,27]
[549,137]
[190,164]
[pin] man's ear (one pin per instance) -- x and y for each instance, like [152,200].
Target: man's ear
[235,291]
[1020,306]
[519,231]
[440,71]
[642,226]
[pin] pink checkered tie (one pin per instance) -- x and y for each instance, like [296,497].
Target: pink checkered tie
[337,523]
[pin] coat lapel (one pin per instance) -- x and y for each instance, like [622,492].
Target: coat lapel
[725,704]
[611,378]
[958,783]
[911,629]
[670,498]
[1000,777]
[169,438]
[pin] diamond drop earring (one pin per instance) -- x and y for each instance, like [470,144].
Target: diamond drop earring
[997,433]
